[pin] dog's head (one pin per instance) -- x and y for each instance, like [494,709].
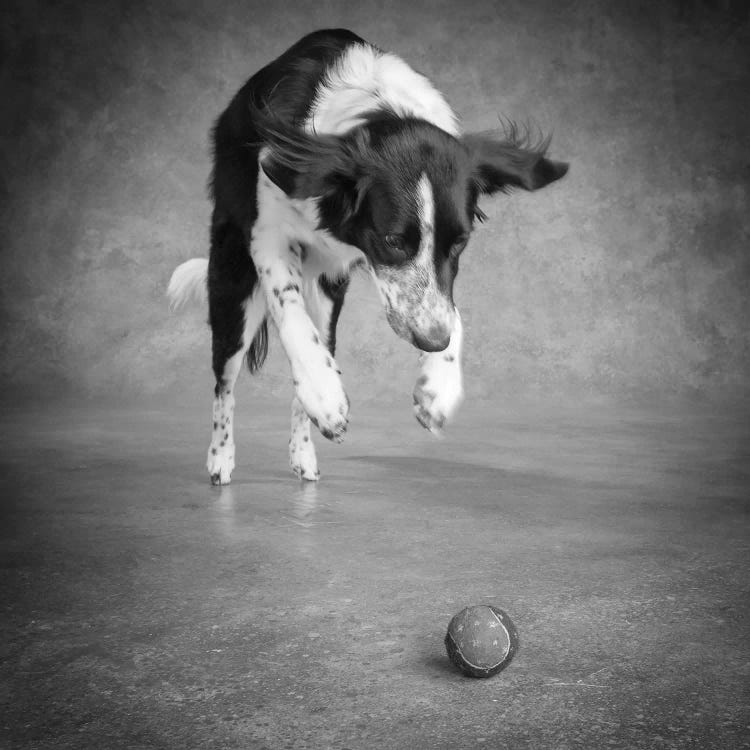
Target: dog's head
[405,193]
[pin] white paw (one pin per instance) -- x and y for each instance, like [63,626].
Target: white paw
[322,396]
[302,458]
[220,463]
[438,392]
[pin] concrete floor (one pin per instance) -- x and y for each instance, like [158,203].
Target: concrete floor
[143,608]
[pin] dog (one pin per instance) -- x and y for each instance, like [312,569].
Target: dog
[336,156]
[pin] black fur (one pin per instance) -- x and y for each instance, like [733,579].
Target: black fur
[231,280]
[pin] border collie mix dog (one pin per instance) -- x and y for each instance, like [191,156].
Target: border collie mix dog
[333,156]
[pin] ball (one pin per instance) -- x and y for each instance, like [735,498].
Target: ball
[481,640]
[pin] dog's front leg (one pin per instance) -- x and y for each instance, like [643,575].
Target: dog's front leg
[439,389]
[316,375]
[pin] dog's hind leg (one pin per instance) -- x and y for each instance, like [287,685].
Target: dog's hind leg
[324,306]
[237,309]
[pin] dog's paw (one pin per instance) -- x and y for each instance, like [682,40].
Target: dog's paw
[302,458]
[438,393]
[220,463]
[322,396]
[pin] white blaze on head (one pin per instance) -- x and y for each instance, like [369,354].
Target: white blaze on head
[426,209]
[414,304]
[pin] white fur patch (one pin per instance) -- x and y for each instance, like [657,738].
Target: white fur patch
[439,389]
[366,79]
[295,222]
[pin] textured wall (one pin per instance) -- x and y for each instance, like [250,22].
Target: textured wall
[628,277]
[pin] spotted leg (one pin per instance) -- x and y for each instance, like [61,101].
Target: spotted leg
[439,389]
[302,457]
[220,461]
[236,338]
[236,308]
[324,303]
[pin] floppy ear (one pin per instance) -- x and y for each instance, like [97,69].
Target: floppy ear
[333,183]
[503,164]
[306,165]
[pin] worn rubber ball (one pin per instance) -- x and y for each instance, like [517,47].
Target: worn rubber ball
[481,640]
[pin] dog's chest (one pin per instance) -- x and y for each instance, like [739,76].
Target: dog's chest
[286,223]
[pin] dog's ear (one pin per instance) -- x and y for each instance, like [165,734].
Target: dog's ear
[309,165]
[303,165]
[339,180]
[501,164]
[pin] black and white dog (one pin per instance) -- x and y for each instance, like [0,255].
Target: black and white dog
[333,156]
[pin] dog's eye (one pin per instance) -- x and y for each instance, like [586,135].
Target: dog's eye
[394,241]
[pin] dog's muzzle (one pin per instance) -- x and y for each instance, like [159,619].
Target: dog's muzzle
[426,335]
[416,309]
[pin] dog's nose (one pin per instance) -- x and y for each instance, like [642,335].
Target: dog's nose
[435,341]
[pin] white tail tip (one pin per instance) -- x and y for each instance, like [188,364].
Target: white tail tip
[189,281]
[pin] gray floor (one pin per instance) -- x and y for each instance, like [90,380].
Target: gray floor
[143,608]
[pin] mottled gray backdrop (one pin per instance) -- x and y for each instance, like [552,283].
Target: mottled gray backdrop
[628,278]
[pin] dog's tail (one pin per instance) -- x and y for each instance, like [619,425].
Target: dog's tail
[189,281]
